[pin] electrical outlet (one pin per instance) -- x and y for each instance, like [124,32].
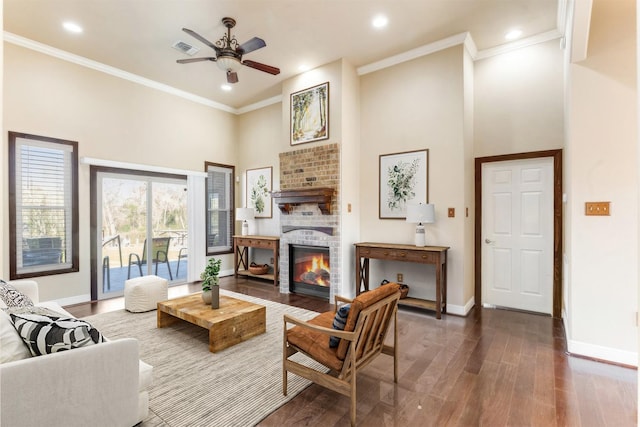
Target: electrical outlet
[400,277]
[271,260]
[452,212]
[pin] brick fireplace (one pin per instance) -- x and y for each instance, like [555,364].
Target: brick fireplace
[310,210]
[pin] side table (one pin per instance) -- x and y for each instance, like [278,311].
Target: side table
[241,245]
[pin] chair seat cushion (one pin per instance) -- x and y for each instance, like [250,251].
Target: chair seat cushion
[315,343]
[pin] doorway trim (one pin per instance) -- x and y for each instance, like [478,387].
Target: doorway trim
[557,220]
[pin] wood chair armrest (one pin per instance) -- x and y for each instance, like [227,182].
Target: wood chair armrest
[342,300]
[349,336]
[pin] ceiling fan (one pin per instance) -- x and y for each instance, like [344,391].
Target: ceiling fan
[229,52]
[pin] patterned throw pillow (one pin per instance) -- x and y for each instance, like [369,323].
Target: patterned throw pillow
[52,332]
[338,323]
[13,297]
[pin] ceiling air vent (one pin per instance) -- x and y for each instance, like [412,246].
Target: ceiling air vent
[185,48]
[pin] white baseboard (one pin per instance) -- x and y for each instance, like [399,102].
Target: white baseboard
[602,353]
[77,299]
[224,273]
[460,310]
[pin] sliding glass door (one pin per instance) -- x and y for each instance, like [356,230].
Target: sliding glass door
[142,226]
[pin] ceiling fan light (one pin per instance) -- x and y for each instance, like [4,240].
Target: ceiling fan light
[226,63]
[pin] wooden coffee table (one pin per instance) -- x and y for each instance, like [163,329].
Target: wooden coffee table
[235,321]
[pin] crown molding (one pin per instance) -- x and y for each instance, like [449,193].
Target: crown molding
[116,72]
[462,38]
[409,55]
[470,45]
[260,104]
[519,44]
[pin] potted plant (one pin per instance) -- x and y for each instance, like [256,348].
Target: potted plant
[210,288]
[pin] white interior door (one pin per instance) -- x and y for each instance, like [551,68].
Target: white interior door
[517,234]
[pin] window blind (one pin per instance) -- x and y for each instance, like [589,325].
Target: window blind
[219,208]
[44,204]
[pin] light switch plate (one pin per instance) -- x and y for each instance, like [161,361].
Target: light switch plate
[597,208]
[452,212]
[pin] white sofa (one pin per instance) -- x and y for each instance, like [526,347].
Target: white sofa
[100,385]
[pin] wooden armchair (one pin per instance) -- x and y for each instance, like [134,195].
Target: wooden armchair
[361,341]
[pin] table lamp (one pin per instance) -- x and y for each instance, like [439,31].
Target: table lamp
[244,214]
[420,213]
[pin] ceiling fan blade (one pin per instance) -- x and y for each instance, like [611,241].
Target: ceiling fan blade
[232,77]
[262,67]
[251,45]
[202,39]
[186,61]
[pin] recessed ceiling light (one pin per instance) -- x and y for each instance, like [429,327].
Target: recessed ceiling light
[303,67]
[72,27]
[513,34]
[226,88]
[380,21]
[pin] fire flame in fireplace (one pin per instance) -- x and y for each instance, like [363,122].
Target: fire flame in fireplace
[316,272]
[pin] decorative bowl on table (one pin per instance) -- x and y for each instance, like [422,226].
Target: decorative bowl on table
[258,269]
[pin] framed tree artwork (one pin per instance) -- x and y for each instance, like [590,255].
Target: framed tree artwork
[404,177]
[310,114]
[259,186]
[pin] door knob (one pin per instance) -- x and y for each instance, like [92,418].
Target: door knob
[488,241]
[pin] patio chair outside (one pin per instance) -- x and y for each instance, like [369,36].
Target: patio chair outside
[41,251]
[159,252]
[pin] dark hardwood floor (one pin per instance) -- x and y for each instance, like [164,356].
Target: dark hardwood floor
[491,368]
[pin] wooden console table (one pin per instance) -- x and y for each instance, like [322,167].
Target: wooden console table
[241,245]
[436,255]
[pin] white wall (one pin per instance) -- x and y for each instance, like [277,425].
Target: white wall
[467,211]
[349,177]
[417,105]
[259,132]
[111,119]
[602,252]
[4,236]
[519,102]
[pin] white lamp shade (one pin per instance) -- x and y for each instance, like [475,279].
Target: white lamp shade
[421,213]
[243,214]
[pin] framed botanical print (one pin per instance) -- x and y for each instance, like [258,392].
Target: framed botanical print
[259,186]
[404,177]
[310,114]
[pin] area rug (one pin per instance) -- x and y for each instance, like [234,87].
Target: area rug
[238,386]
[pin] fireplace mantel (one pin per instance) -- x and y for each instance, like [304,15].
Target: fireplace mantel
[287,199]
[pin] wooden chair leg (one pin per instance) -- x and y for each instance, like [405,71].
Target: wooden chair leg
[352,409]
[395,346]
[284,382]
[284,360]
